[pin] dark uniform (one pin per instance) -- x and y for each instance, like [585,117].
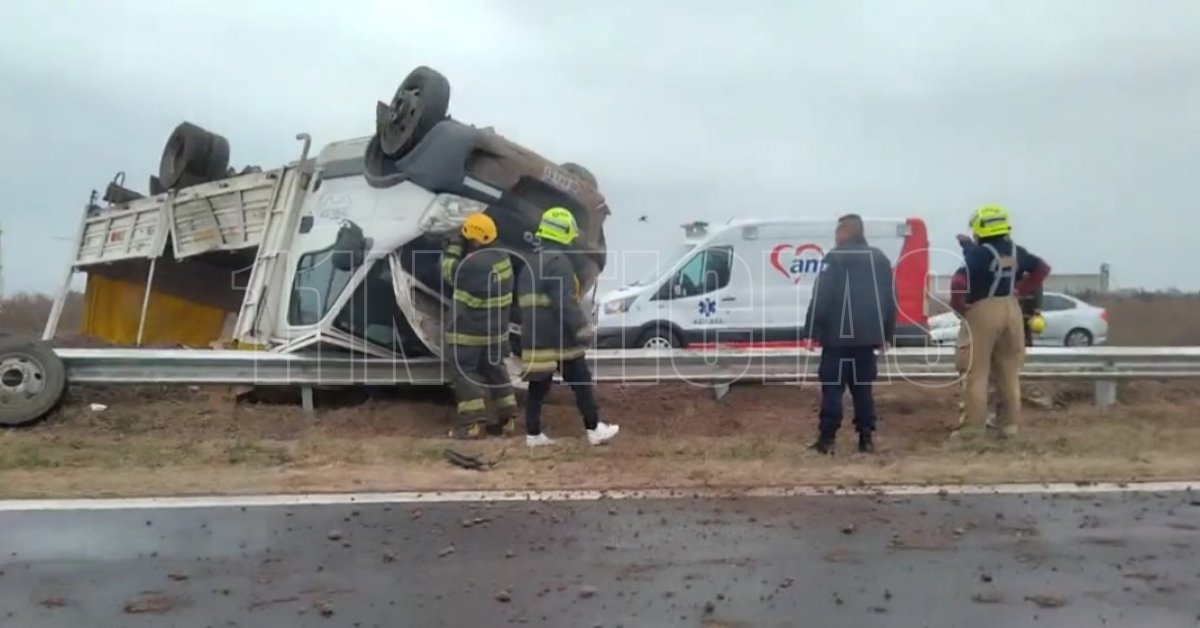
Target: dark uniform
[851,314]
[551,324]
[477,337]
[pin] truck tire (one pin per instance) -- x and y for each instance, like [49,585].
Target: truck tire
[32,380]
[421,101]
[192,155]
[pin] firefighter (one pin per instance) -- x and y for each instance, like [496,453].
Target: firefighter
[554,329]
[993,337]
[1029,296]
[477,337]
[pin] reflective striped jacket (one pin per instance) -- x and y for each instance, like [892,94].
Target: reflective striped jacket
[551,318]
[482,295]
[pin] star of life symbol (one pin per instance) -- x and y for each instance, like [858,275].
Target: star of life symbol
[707,307]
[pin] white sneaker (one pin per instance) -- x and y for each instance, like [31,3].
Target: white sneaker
[541,440]
[602,433]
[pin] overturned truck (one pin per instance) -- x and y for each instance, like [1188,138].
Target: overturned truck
[337,251]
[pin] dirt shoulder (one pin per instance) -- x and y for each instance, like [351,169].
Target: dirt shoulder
[179,441]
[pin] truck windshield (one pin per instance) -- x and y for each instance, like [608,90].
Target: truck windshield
[657,271]
[318,284]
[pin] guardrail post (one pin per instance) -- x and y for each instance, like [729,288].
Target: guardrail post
[1106,389]
[306,400]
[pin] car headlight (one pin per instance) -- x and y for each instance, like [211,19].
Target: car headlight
[618,306]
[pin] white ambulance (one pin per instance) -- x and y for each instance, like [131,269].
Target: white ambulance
[748,283]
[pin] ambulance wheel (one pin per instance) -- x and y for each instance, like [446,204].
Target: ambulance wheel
[1078,337]
[421,101]
[193,156]
[659,338]
[32,380]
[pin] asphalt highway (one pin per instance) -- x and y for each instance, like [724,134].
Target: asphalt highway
[1086,560]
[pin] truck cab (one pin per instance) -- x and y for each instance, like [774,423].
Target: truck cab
[748,283]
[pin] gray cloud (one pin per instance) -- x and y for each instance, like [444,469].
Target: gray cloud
[1082,117]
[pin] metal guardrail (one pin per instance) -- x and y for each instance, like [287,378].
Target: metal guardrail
[719,366]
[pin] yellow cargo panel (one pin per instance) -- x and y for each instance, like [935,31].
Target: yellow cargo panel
[112,308]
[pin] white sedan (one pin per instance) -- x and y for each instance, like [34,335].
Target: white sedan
[1069,323]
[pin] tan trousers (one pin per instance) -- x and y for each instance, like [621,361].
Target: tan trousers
[991,346]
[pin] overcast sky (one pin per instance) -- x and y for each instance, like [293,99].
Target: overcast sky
[1081,116]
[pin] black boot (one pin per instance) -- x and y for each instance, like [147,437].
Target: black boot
[866,445]
[824,444]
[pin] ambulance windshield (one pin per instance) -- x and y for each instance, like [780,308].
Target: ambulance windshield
[669,260]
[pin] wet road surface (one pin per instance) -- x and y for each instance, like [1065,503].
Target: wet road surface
[1091,560]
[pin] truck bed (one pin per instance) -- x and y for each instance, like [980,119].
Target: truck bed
[225,215]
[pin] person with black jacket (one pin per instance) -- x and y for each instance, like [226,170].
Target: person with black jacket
[852,314]
[555,331]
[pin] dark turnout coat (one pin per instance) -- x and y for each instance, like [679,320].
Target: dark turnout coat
[551,317]
[482,297]
[853,303]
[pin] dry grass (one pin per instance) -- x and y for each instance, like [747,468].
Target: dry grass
[162,442]
[1153,320]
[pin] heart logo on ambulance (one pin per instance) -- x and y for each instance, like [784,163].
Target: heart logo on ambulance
[797,263]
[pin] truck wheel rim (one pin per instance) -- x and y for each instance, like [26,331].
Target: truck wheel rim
[21,380]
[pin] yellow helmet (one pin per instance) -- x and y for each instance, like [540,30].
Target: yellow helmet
[558,225]
[989,221]
[479,227]
[1037,324]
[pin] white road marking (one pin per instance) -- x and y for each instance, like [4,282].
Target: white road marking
[410,497]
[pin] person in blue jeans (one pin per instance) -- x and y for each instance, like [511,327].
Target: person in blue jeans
[852,314]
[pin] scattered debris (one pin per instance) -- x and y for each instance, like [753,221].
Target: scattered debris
[509,554]
[587,591]
[987,597]
[324,608]
[848,528]
[1046,601]
[281,600]
[709,607]
[959,531]
[446,551]
[1142,576]
[151,602]
[389,557]
[504,596]
[878,610]
[474,463]
[334,535]
[178,576]
[97,407]
[54,602]
[986,577]
[840,555]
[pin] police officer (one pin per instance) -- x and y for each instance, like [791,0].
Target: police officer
[477,336]
[851,314]
[554,329]
[994,334]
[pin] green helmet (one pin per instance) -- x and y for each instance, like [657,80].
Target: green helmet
[558,225]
